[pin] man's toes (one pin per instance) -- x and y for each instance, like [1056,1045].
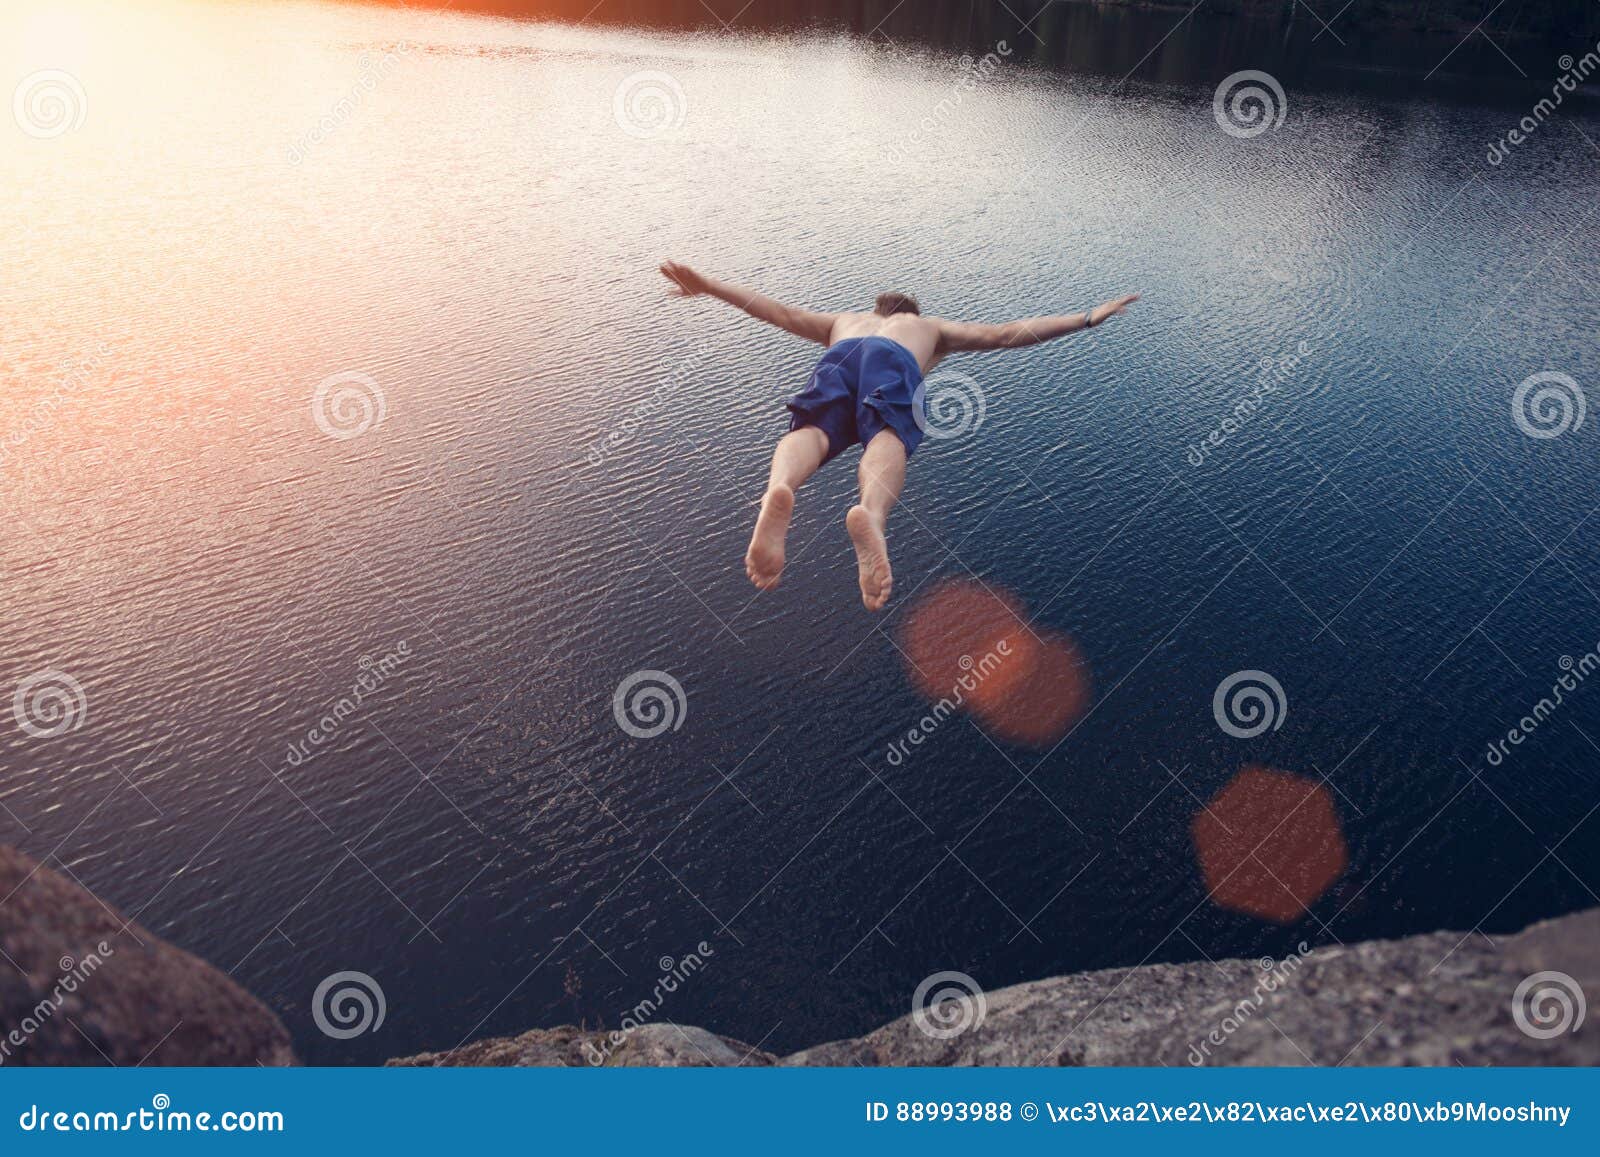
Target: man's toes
[875,590]
[876,584]
[762,571]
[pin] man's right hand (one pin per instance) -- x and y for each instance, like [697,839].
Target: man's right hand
[685,281]
[1111,308]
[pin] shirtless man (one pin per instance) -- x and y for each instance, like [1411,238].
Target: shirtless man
[865,389]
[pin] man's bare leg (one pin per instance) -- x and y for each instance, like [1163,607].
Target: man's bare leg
[794,459]
[881,475]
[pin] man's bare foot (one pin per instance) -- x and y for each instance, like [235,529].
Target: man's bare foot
[872,556]
[763,562]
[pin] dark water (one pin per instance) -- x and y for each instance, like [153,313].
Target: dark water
[477,233]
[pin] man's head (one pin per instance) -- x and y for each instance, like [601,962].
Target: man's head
[890,304]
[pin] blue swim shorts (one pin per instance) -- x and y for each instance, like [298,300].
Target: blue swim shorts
[862,385]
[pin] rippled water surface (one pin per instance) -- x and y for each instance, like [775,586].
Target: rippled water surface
[448,210]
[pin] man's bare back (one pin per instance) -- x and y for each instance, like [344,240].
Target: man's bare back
[863,391]
[918,334]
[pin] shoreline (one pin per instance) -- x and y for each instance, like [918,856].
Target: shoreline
[1442,18]
[1441,53]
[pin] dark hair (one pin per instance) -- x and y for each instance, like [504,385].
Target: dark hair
[893,303]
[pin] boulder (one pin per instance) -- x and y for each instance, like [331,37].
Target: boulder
[1437,999]
[81,985]
[661,1045]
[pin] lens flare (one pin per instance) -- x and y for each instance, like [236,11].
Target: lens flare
[1270,844]
[972,645]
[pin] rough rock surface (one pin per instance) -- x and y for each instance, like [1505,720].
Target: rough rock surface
[138,1000]
[651,1044]
[1437,999]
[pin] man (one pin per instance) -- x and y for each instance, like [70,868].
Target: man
[865,389]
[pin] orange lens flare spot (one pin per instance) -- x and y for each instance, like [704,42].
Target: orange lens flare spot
[958,620]
[1270,844]
[1046,702]
[971,646]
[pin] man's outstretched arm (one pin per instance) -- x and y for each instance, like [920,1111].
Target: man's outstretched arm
[804,323]
[969,337]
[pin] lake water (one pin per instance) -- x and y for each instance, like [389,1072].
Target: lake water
[237,210]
